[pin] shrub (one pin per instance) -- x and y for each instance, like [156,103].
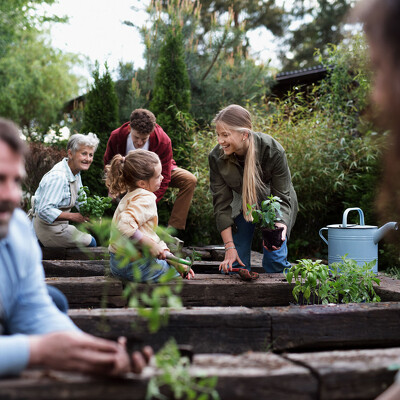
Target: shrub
[101,117]
[41,159]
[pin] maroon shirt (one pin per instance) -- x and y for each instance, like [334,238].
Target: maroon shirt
[159,143]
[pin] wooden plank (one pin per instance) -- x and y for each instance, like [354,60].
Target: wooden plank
[389,288]
[230,330]
[204,290]
[60,253]
[74,268]
[93,291]
[352,374]
[335,326]
[66,268]
[251,376]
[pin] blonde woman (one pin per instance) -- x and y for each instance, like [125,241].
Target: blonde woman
[245,168]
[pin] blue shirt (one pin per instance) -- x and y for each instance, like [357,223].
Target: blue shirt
[27,307]
[54,191]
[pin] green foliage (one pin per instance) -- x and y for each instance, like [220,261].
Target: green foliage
[92,206]
[35,82]
[101,117]
[171,94]
[322,25]
[175,374]
[333,151]
[219,67]
[344,282]
[270,212]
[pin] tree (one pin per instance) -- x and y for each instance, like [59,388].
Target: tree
[35,82]
[171,94]
[220,71]
[325,27]
[100,116]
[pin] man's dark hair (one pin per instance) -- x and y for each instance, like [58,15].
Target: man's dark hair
[9,134]
[143,121]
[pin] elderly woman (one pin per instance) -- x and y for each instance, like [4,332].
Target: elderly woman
[57,194]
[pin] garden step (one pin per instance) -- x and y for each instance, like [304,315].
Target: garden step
[351,374]
[203,290]
[98,253]
[239,329]
[93,291]
[70,268]
[337,375]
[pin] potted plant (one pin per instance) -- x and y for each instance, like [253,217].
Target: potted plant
[266,216]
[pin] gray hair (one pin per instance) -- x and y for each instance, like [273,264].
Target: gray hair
[77,140]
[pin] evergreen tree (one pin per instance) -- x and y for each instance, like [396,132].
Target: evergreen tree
[171,95]
[100,116]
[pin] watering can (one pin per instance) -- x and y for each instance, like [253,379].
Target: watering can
[359,242]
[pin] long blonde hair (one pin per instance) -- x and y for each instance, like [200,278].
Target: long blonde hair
[123,173]
[237,118]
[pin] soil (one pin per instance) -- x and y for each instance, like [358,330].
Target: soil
[272,237]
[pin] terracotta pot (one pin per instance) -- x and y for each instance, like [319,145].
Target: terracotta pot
[272,237]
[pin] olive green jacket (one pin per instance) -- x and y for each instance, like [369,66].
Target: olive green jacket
[226,180]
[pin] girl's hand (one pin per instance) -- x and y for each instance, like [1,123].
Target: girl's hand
[231,256]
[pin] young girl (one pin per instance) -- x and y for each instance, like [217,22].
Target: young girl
[245,168]
[138,174]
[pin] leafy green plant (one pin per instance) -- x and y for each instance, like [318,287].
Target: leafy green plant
[92,206]
[269,213]
[176,375]
[344,282]
[351,283]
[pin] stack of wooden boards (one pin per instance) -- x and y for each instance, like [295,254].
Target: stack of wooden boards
[246,333]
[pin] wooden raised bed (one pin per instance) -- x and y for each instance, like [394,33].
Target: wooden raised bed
[205,290]
[339,375]
[238,329]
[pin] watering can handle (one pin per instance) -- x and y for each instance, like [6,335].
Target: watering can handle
[360,212]
[322,236]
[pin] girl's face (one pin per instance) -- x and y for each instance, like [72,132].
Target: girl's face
[81,159]
[154,183]
[232,141]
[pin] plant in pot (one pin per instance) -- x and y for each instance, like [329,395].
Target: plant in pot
[266,216]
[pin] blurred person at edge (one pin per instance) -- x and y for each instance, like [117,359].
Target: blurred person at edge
[380,20]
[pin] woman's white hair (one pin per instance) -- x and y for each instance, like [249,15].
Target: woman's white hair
[77,140]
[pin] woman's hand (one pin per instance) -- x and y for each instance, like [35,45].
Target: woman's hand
[231,256]
[283,237]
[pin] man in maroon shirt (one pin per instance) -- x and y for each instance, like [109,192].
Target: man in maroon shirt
[142,132]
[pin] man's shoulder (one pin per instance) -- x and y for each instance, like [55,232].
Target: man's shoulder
[160,135]
[20,229]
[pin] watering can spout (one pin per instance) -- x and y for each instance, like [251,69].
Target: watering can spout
[381,232]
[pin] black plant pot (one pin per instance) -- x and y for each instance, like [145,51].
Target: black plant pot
[272,237]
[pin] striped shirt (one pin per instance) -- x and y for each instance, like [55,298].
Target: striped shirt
[54,191]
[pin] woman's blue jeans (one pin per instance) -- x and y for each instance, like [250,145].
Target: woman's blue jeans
[150,269]
[273,261]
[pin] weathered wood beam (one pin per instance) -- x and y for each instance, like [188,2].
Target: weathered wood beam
[351,374]
[336,375]
[239,329]
[207,329]
[364,325]
[252,376]
[93,291]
